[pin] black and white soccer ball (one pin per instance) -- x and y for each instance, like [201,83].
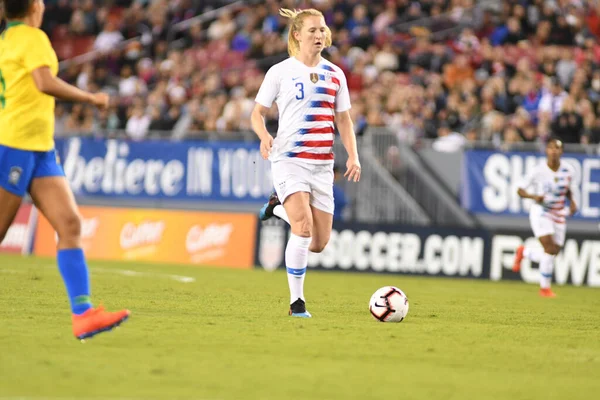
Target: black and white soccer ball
[389,304]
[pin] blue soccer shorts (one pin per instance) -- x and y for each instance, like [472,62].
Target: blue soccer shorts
[18,168]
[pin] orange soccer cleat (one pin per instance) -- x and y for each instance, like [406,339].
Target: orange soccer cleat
[547,293]
[96,320]
[518,258]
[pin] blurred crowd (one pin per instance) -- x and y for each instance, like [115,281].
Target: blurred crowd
[455,71]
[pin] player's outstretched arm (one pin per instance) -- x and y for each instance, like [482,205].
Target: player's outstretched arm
[345,126]
[523,194]
[257,119]
[56,87]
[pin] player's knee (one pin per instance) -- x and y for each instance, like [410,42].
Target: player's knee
[551,249]
[302,226]
[70,227]
[317,247]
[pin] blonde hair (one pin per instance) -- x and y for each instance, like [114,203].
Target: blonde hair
[296,18]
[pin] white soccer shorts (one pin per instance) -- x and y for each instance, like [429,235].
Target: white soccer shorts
[290,177]
[543,225]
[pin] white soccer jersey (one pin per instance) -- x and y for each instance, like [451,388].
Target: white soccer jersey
[553,186]
[307,99]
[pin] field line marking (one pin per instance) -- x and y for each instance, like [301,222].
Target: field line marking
[124,272]
[128,272]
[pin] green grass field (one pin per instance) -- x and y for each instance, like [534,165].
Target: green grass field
[226,335]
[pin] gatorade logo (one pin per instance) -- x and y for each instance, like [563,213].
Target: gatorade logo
[214,235]
[142,234]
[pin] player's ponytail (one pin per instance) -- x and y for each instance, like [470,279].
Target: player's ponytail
[296,18]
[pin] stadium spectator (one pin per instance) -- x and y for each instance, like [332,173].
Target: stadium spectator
[458,71]
[108,38]
[138,123]
[593,135]
[222,28]
[236,113]
[552,101]
[448,141]
[568,125]
[80,120]
[130,85]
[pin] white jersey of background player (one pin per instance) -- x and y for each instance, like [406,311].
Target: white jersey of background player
[553,184]
[311,93]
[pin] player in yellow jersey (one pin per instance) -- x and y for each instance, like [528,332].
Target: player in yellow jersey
[28,161]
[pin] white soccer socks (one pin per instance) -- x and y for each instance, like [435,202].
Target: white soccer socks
[296,261]
[546,267]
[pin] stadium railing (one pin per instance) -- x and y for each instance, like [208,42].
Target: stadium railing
[379,198]
[440,27]
[423,185]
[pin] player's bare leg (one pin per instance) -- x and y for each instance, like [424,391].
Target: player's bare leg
[54,199]
[322,226]
[551,249]
[296,253]
[299,212]
[9,206]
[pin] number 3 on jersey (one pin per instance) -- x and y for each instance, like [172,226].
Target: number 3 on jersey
[299,85]
[2,91]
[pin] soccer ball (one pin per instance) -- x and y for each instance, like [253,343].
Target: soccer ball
[389,304]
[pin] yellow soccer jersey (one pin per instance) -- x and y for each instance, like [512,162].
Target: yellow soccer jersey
[26,114]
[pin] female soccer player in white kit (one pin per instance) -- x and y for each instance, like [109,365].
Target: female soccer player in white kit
[554,183]
[311,93]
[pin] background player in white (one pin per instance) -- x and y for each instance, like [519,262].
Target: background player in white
[553,183]
[311,94]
